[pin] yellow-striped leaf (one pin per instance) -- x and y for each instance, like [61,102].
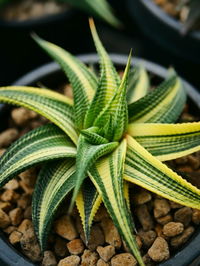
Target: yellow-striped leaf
[54,106]
[143,169]
[88,202]
[83,80]
[39,145]
[162,105]
[167,141]
[107,176]
[54,183]
[138,84]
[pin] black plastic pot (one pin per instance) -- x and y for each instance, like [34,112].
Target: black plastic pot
[50,75]
[164,29]
[20,54]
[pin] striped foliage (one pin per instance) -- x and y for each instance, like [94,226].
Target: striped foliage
[113,133]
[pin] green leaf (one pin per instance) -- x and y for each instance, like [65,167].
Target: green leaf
[83,80]
[101,9]
[143,169]
[108,82]
[88,202]
[54,183]
[52,105]
[138,84]
[163,105]
[42,144]
[167,141]
[107,176]
[87,154]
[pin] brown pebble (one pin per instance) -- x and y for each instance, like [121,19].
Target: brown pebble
[65,228]
[4,219]
[142,197]
[147,237]
[49,259]
[194,162]
[89,258]
[8,136]
[16,216]
[24,201]
[196,216]
[165,219]
[25,225]
[182,238]
[5,206]
[8,230]
[144,217]
[123,259]
[183,215]
[28,212]
[15,237]
[75,246]
[30,246]
[21,116]
[12,184]
[27,189]
[9,195]
[101,214]
[96,237]
[159,251]
[147,260]
[173,229]
[72,260]
[111,234]
[29,177]
[101,262]
[175,205]
[60,247]
[106,253]
[161,207]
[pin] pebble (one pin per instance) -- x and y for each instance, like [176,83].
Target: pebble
[27,189]
[8,136]
[5,206]
[28,212]
[89,258]
[144,217]
[72,260]
[183,215]
[10,229]
[75,246]
[12,184]
[159,251]
[24,201]
[101,262]
[65,228]
[111,234]
[4,219]
[123,259]
[25,225]
[161,208]
[49,259]
[60,247]
[196,216]
[147,237]
[106,253]
[21,116]
[30,246]
[175,205]
[9,195]
[29,177]
[96,237]
[165,219]
[15,237]
[142,197]
[182,238]
[173,229]
[16,216]
[101,214]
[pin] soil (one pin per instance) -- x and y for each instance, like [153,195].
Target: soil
[22,10]
[162,225]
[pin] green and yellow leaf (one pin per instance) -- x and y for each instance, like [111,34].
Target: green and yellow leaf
[54,183]
[52,105]
[145,170]
[167,141]
[162,105]
[107,176]
[39,145]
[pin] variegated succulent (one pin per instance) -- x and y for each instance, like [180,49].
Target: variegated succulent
[114,132]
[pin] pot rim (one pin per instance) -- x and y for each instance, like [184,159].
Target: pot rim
[181,258]
[167,19]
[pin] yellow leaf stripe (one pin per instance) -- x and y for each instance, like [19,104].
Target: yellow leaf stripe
[143,169]
[167,141]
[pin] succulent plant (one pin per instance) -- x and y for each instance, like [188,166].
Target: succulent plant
[114,132]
